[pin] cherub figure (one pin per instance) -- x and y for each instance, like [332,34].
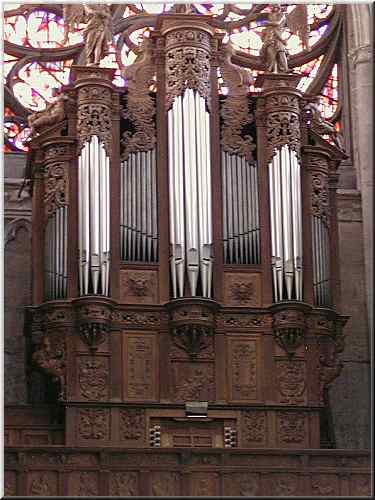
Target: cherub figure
[274,51]
[98,31]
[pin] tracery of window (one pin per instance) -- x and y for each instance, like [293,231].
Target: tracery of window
[36,62]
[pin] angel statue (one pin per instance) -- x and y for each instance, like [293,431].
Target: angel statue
[53,113]
[320,125]
[98,31]
[274,52]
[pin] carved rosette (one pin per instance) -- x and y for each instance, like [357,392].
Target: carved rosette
[235,109]
[95,106]
[187,60]
[192,324]
[289,329]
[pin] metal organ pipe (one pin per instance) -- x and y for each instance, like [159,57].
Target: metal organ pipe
[286,224]
[94,218]
[190,195]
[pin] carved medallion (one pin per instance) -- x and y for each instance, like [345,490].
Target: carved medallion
[139,287]
[242,290]
[290,378]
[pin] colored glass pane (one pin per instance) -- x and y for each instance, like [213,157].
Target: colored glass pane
[330,94]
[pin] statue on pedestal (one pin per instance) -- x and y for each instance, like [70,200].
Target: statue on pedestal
[53,113]
[320,125]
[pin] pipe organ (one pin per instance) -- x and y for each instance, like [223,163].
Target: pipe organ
[189,237]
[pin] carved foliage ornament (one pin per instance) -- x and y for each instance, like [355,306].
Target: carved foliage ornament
[55,186]
[93,424]
[283,129]
[132,424]
[291,427]
[192,338]
[140,107]
[187,66]
[94,116]
[291,380]
[93,334]
[320,197]
[254,426]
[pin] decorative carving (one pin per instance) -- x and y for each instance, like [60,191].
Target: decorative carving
[254,427]
[283,129]
[88,484]
[320,197]
[132,424]
[140,107]
[235,110]
[285,484]
[133,318]
[123,484]
[241,484]
[321,126]
[289,329]
[194,381]
[193,339]
[10,483]
[55,186]
[97,32]
[187,66]
[243,354]
[140,365]
[95,119]
[324,485]
[56,151]
[290,377]
[360,485]
[204,484]
[50,357]
[139,286]
[330,364]
[53,114]
[93,378]
[93,334]
[243,321]
[291,427]
[164,484]
[43,484]
[94,424]
[242,289]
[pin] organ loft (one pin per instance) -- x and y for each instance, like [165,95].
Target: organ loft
[185,310]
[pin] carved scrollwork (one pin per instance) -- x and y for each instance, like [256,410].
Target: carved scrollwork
[291,427]
[132,424]
[283,128]
[93,424]
[140,107]
[55,186]
[93,378]
[289,330]
[291,381]
[320,197]
[187,65]
[93,334]
[192,339]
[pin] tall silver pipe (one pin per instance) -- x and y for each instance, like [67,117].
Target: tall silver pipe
[230,207]
[144,206]
[240,210]
[271,177]
[65,250]
[225,214]
[155,242]
[254,169]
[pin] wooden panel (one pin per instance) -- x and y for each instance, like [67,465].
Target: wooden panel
[42,483]
[83,483]
[138,286]
[124,484]
[290,381]
[243,369]
[241,484]
[164,484]
[140,367]
[292,429]
[193,381]
[93,378]
[204,484]
[242,289]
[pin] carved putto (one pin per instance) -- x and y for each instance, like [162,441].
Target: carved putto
[320,125]
[53,114]
[50,357]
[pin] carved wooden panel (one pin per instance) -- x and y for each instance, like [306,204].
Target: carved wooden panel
[42,483]
[193,381]
[83,483]
[190,434]
[124,484]
[326,485]
[140,367]
[93,378]
[290,380]
[243,371]
[283,484]
[292,429]
[241,484]
[204,484]
[254,429]
[242,289]
[165,484]
[138,286]
[132,426]
[360,485]
[10,483]
[93,426]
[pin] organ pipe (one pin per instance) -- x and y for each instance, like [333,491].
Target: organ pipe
[240,210]
[286,224]
[321,268]
[190,195]
[94,218]
[138,226]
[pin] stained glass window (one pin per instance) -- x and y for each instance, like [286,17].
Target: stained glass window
[36,60]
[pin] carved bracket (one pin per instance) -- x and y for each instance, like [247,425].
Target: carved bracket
[192,338]
[93,334]
[289,329]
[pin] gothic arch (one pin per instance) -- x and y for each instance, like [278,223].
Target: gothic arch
[11,229]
